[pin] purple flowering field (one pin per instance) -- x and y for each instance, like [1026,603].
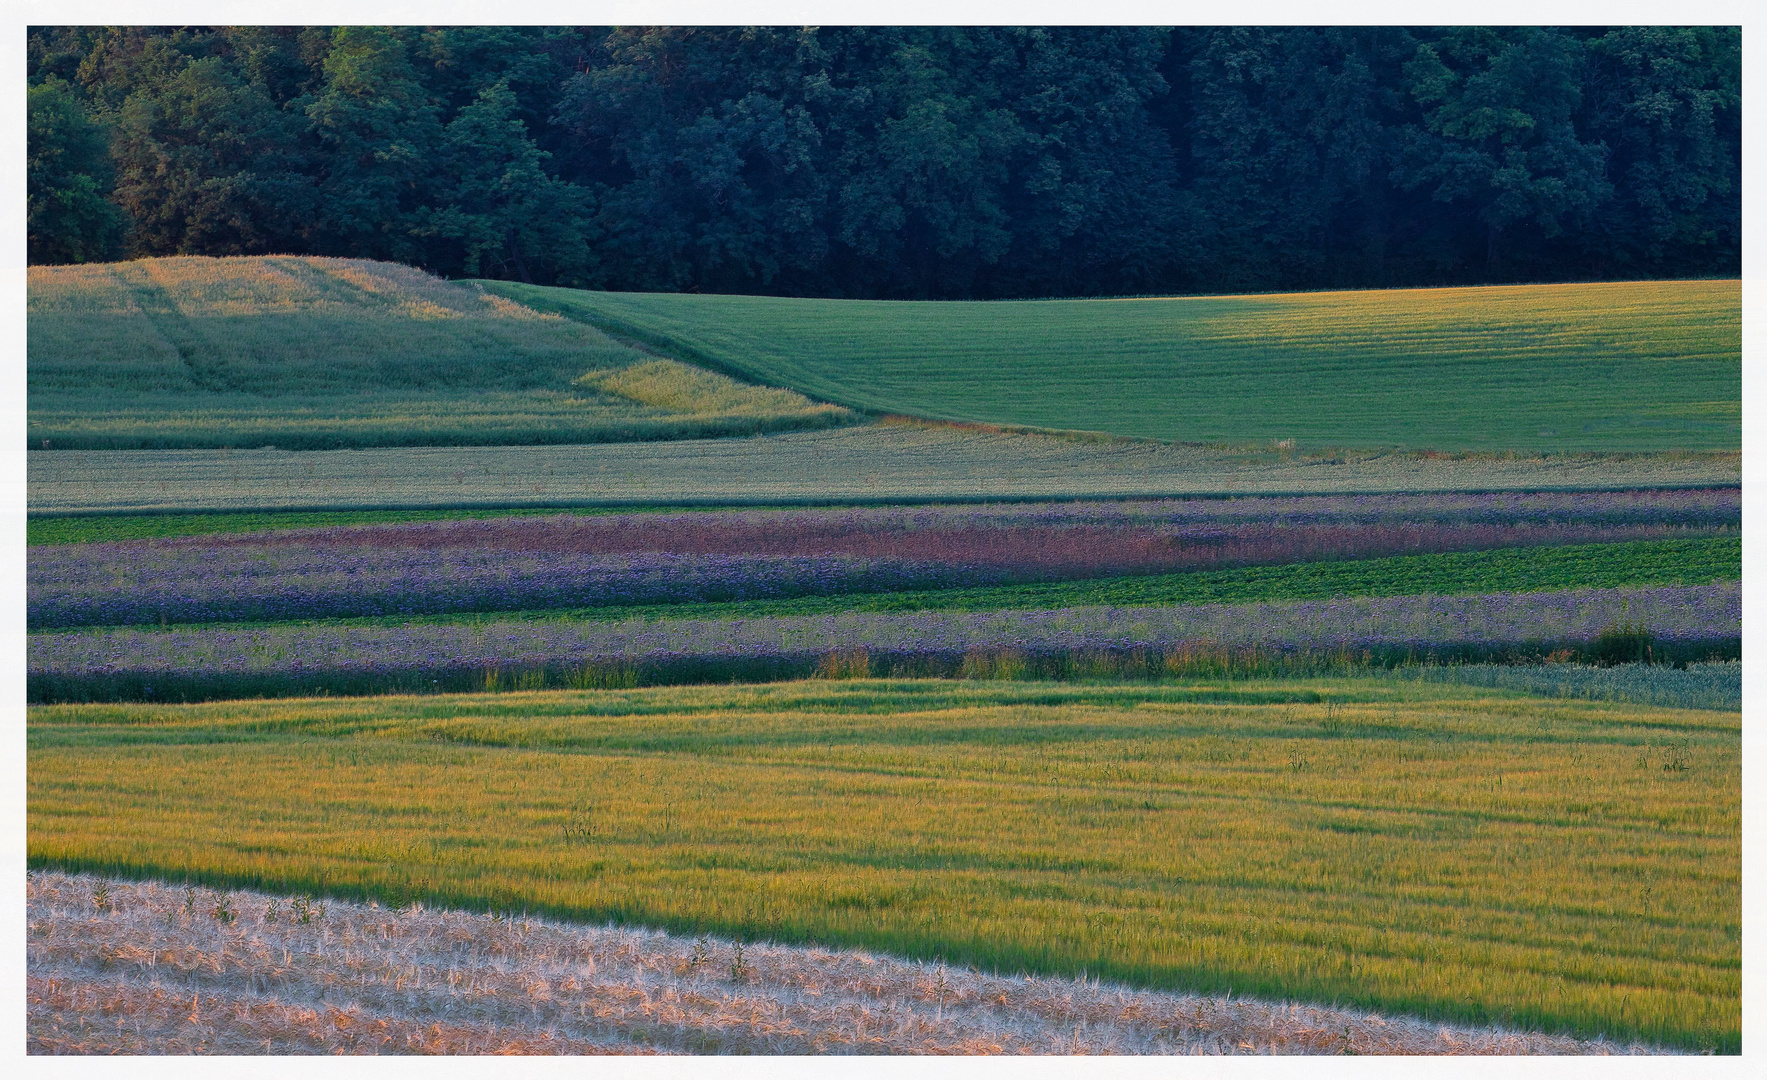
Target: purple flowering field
[583,561]
[1423,627]
[121,591]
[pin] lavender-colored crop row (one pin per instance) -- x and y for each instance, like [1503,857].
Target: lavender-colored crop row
[271,583]
[1466,626]
[133,584]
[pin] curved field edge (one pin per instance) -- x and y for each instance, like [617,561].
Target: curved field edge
[87,937]
[1612,366]
[1347,840]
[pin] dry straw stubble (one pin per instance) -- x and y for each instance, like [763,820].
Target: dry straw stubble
[144,973]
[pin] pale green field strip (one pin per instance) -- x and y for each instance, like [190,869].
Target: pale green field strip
[1616,366]
[108,528]
[308,353]
[871,464]
[1464,854]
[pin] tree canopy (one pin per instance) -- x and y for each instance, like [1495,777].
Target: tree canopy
[935,162]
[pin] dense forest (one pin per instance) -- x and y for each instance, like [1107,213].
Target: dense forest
[900,162]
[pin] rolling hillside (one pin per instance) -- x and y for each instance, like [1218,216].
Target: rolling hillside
[308,353]
[1630,366]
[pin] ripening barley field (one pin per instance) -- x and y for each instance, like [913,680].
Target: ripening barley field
[1613,366]
[1476,855]
[312,353]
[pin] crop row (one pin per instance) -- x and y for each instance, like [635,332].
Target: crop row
[315,576]
[200,585]
[759,530]
[1680,623]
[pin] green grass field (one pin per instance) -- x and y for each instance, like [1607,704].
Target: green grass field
[307,353]
[1469,854]
[1617,366]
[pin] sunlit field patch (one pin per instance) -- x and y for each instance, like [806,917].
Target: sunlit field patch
[1468,854]
[311,353]
[1642,365]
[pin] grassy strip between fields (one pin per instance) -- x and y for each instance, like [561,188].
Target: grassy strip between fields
[112,528]
[1467,854]
[1536,569]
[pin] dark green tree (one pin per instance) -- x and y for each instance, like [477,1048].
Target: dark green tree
[1092,197]
[707,151]
[497,212]
[376,130]
[1667,104]
[1497,136]
[68,218]
[205,165]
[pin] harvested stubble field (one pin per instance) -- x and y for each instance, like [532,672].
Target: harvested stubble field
[310,353]
[1472,855]
[1648,365]
[879,463]
[141,968]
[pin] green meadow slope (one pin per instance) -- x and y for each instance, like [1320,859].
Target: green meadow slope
[1628,366]
[307,353]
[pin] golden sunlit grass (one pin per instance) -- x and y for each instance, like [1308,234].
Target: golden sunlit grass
[309,353]
[1643,365]
[141,967]
[1463,854]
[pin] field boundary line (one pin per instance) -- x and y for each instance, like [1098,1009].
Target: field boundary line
[844,501]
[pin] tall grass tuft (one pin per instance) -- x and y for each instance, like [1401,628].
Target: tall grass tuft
[845,664]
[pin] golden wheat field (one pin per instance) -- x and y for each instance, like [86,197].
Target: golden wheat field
[141,967]
[1470,855]
[306,353]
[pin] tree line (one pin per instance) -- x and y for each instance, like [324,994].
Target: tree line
[925,162]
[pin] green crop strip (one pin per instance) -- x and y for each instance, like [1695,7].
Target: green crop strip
[107,529]
[1467,854]
[1615,366]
